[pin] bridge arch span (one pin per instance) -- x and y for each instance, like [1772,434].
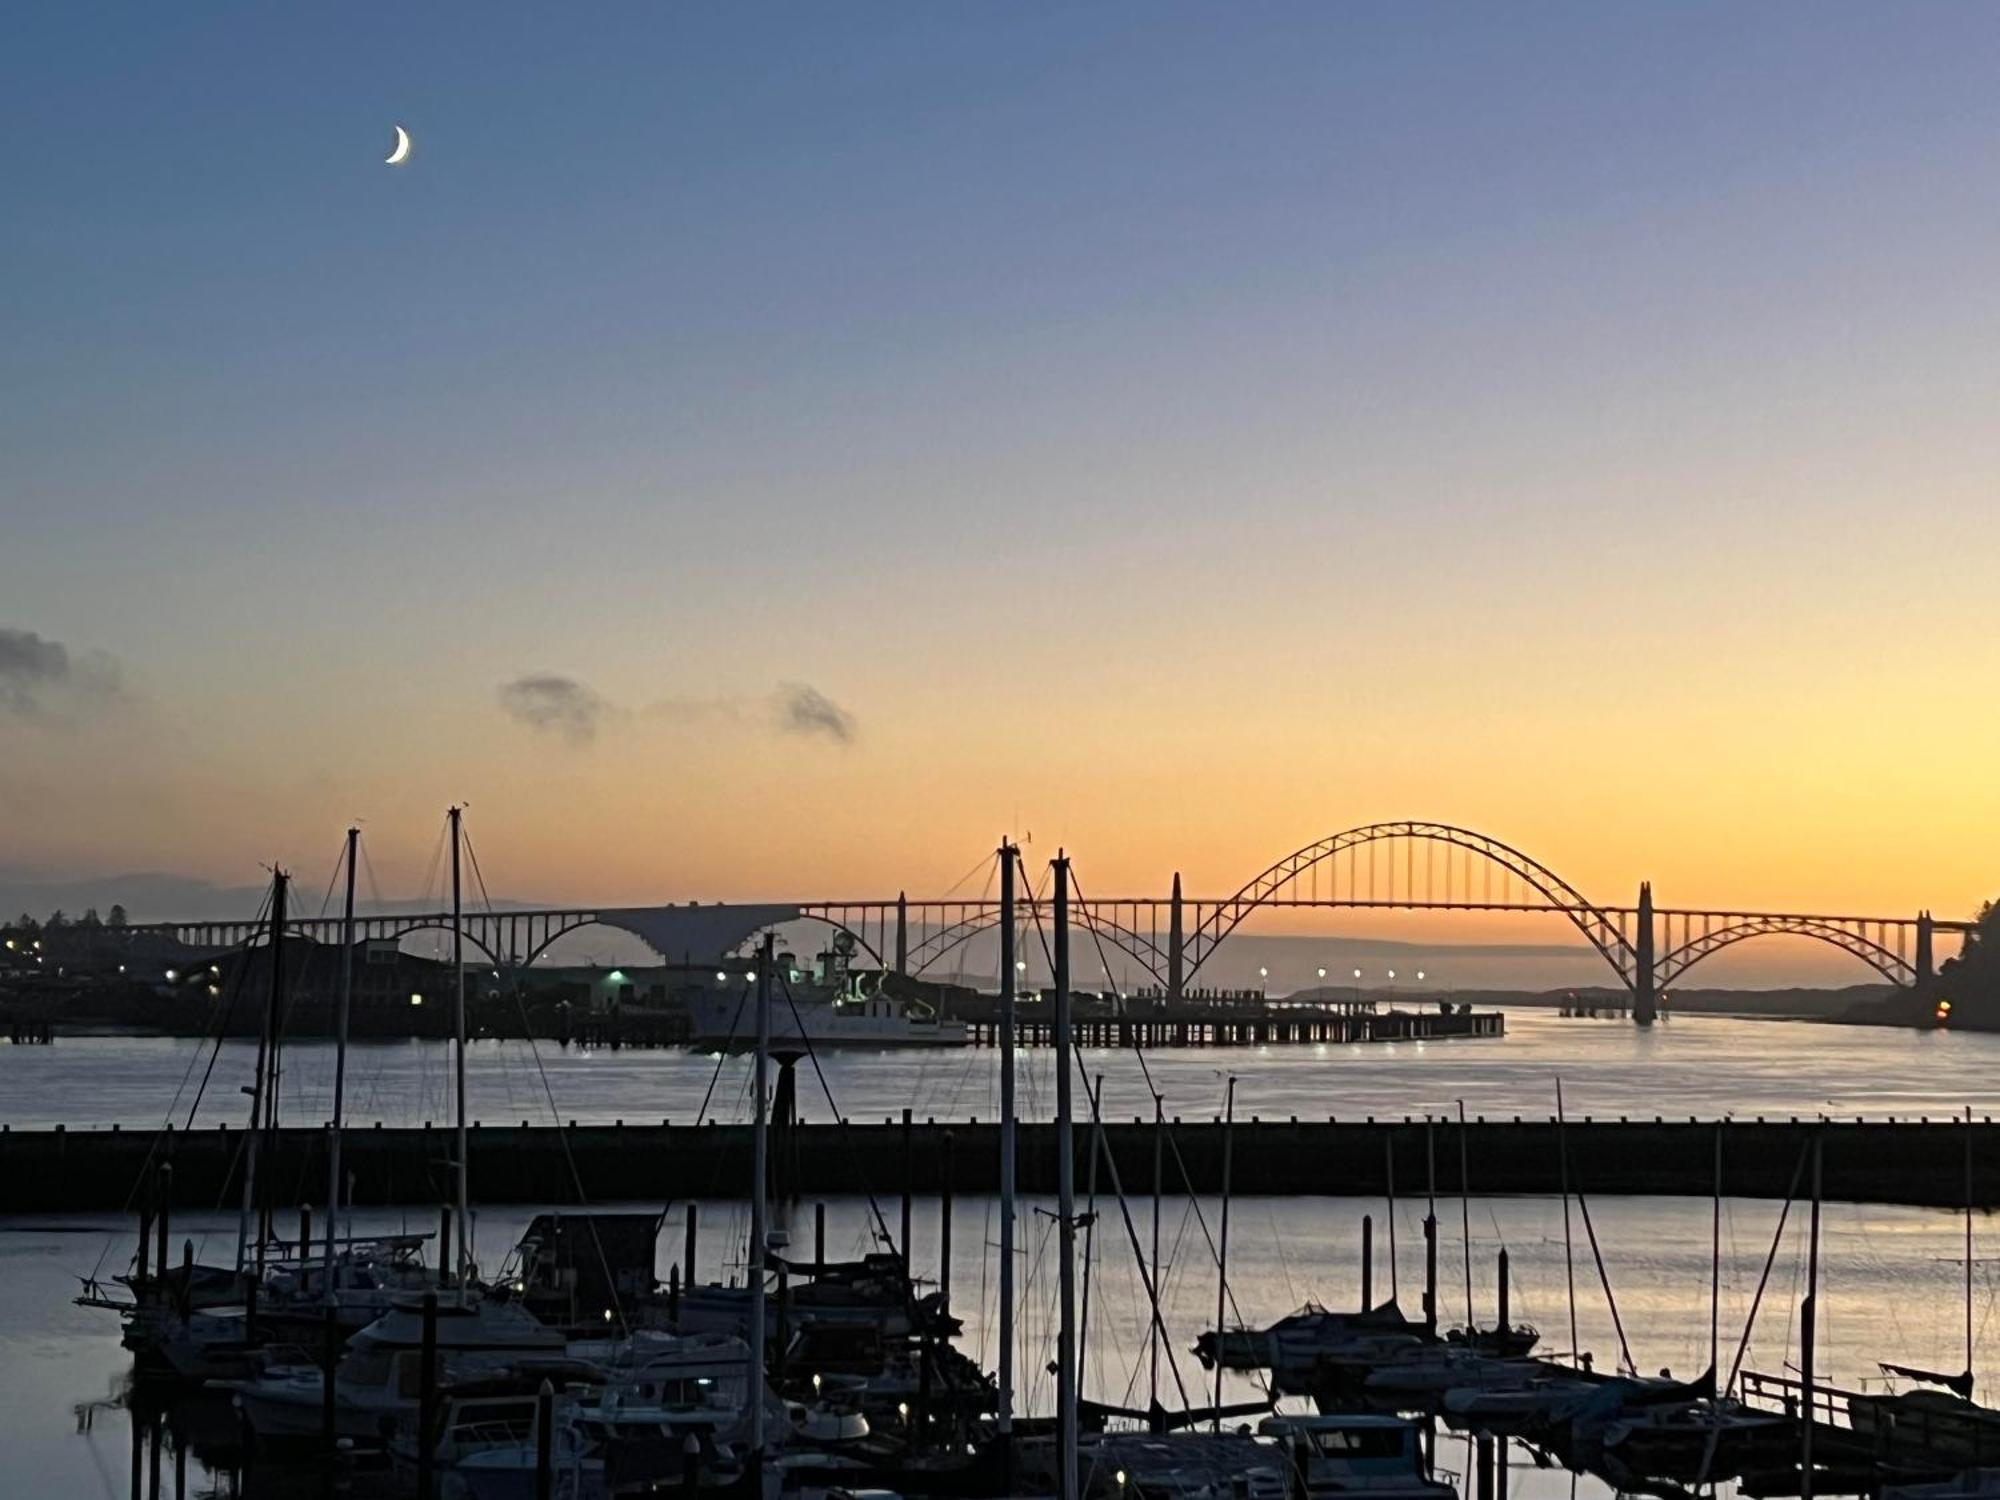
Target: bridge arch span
[1600,927]
[936,946]
[1890,964]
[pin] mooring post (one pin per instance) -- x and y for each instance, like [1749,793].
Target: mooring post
[1430,1275]
[427,1394]
[1503,1324]
[545,1441]
[1367,1262]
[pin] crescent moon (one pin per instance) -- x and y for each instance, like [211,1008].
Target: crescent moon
[402,152]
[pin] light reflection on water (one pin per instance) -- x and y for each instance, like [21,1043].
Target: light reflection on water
[1695,1065]
[1891,1289]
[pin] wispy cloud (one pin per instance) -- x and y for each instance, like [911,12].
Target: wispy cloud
[551,703]
[40,678]
[805,710]
[554,704]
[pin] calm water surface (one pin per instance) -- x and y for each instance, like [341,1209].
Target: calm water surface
[1696,1065]
[1892,1277]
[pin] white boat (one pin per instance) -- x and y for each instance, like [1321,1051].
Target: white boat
[377,1381]
[658,1393]
[827,1006]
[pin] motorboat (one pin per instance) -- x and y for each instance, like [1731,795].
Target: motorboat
[378,1380]
[1305,1339]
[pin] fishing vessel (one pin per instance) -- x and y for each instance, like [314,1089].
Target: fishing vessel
[829,1004]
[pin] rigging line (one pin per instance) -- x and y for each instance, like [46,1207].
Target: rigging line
[721,1056]
[332,879]
[1777,1236]
[576,1177]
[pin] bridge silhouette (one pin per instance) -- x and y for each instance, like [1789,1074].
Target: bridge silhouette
[1396,866]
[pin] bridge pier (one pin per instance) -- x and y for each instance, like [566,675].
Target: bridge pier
[1175,947]
[1926,961]
[902,932]
[1645,1002]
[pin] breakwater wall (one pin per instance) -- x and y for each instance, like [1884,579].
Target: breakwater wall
[1901,1162]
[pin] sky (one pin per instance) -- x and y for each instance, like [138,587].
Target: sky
[773,451]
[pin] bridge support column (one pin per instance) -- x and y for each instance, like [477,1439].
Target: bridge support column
[1926,959]
[1645,1003]
[1175,945]
[902,932]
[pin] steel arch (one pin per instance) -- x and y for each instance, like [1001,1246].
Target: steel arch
[1603,933]
[948,939]
[1891,965]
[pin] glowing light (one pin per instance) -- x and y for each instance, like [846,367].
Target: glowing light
[616,976]
[1392,973]
[416,999]
[721,977]
[1322,971]
[172,975]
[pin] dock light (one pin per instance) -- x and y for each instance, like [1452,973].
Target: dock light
[616,976]
[214,990]
[903,1410]
[1120,1477]
[416,999]
[815,1382]
[1357,974]
[721,976]
[1322,971]
[1420,975]
[172,975]
[10,945]
[1944,1010]
[213,969]
[1263,973]
[1392,973]
[1020,966]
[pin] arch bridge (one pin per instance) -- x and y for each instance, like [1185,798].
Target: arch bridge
[1407,865]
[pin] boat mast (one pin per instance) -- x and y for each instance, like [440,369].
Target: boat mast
[464,1270]
[259,1090]
[1465,1224]
[1968,1252]
[1009,856]
[1715,1261]
[1569,1242]
[340,1061]
[1808,1343]
[759,1158]
[1066,1392]
[1159,1175]
[1222,1244]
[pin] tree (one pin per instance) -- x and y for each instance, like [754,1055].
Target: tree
[118,917]
[90,918]
[58,918]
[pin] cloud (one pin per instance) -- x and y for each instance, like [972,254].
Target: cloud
[806,710]
[41,678]
[554,704]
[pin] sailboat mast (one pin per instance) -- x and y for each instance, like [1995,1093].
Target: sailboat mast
[1465,1219]
[1968,1252]
[340,1061]
[1066,1392]
[1569,1241]
[1159,1176]
[1005,1378]
[1389,1176]
[268,1089]
[759,1160]
[1715,1260]
[257,1091]
[458,1066]
[1222,1242]
[1808,1334]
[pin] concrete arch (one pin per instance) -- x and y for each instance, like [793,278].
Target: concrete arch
[1891,965]
[1597,926]
[949,939]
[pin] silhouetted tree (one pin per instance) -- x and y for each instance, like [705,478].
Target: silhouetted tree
[90,918]
[58,918]
[118,917]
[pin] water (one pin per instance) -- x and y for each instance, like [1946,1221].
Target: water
[1892,1277]
[1695,1065]
[1891,1289]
